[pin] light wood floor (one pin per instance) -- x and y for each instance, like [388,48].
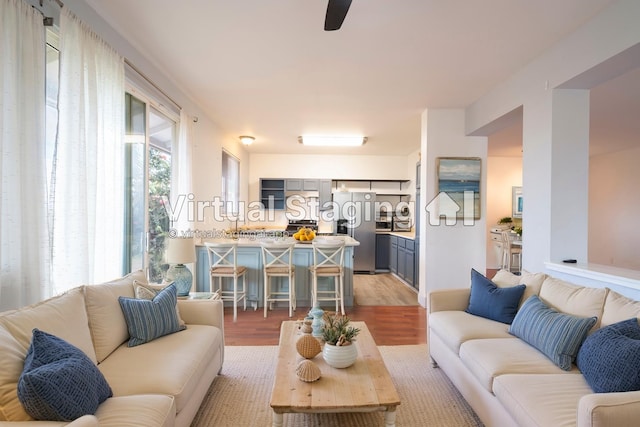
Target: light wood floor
[389,324]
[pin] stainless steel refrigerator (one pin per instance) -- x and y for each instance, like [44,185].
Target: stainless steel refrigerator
[356,217]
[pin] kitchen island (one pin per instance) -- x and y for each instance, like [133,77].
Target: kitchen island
[250,256]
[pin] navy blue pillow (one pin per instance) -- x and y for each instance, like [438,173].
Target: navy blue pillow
[489,301]
[59,382]
[609,358]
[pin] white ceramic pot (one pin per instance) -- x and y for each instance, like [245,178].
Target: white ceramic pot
[340,356]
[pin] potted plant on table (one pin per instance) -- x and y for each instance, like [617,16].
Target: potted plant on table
[338,335]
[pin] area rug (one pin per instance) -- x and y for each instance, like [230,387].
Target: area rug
[240,396]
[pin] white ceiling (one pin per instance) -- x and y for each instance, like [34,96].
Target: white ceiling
[266,67]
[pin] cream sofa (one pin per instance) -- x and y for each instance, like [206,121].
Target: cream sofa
[507,381]
[160,383]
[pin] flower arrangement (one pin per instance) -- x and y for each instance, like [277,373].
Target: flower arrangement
[337,331]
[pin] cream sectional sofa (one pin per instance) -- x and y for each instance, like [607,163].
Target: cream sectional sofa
[509,382]
[160,383]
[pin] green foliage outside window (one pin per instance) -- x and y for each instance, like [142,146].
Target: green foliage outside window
[159,223]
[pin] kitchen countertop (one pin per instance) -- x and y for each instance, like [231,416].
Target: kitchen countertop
[406,234]
[255,241]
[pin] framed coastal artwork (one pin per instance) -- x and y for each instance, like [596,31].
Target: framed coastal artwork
[516,201]
[459,178]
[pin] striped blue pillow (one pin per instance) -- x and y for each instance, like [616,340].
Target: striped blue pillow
[150,319]
[555,334]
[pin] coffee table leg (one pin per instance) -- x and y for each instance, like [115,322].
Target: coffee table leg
[278,419]
[390,417]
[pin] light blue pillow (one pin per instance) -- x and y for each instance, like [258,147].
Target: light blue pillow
[610,358]
[555,334]
[149,319]
[59,382]
[489,301]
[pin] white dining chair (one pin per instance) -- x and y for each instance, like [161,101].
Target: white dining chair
[277,261]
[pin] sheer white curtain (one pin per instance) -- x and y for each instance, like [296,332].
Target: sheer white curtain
[181,171]
[24,235]
[88,176]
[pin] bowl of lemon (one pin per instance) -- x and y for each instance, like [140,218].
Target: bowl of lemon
[304,235]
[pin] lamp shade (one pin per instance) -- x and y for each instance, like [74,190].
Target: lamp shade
[180,251]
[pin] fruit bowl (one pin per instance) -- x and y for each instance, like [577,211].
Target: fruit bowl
[304,235]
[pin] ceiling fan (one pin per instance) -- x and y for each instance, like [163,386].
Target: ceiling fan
[336,12]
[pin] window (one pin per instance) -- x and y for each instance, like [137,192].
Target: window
[150,136]
[230,183]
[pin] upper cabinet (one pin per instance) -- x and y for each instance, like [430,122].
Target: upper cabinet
[272,193]
[297,184]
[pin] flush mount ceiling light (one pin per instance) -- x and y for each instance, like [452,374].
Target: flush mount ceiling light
[332,141]
[246,140]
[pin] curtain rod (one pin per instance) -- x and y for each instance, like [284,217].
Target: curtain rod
[134,68]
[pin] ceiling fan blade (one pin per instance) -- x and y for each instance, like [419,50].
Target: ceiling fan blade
[336,12]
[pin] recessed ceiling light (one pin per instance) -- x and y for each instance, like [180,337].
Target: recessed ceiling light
[246,140]
[332,141]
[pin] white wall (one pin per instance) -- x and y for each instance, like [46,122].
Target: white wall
[602,49]
[503,173]
[614,203]
[448,253]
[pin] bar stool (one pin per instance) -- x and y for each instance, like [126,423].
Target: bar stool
[223,263]
[277,261]
[509,251]
[328,261]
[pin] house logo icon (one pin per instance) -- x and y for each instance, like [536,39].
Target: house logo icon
[443,205]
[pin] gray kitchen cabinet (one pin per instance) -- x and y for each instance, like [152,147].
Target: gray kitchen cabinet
[272,193]
[409,266]
[383,250]
[300,184]
[393,255]
[325,194]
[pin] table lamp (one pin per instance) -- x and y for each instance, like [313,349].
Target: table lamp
[180,251]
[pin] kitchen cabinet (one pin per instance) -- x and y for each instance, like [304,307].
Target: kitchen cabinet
[393,254]
[383,248]
[325,194]
[272,193]
[402,259]
[300,184]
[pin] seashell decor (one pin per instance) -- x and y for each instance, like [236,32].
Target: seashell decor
[307,371]
[308,346]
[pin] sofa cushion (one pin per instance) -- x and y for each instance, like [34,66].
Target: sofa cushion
[542,399]
[183,359]
[12,356]
[106,320]
[489,358]
[572,299]
[150,319]
[489,301]
[533,281]
[617,308]
[59,382]
[148,291]
[456,327]
[557,335]
[63,316]
[610,358]
[143,410]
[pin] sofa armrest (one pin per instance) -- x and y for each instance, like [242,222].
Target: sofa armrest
[448,300]
[84,421]
[609,409]
[202,312]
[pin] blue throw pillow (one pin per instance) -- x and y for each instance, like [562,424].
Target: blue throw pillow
[610,358]
[489,301]
[555,334]
[149,319]
[59,382]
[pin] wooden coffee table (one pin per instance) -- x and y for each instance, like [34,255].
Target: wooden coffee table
[365,386]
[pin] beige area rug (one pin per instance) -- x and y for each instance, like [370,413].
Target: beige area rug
[240,396]
[382,289]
